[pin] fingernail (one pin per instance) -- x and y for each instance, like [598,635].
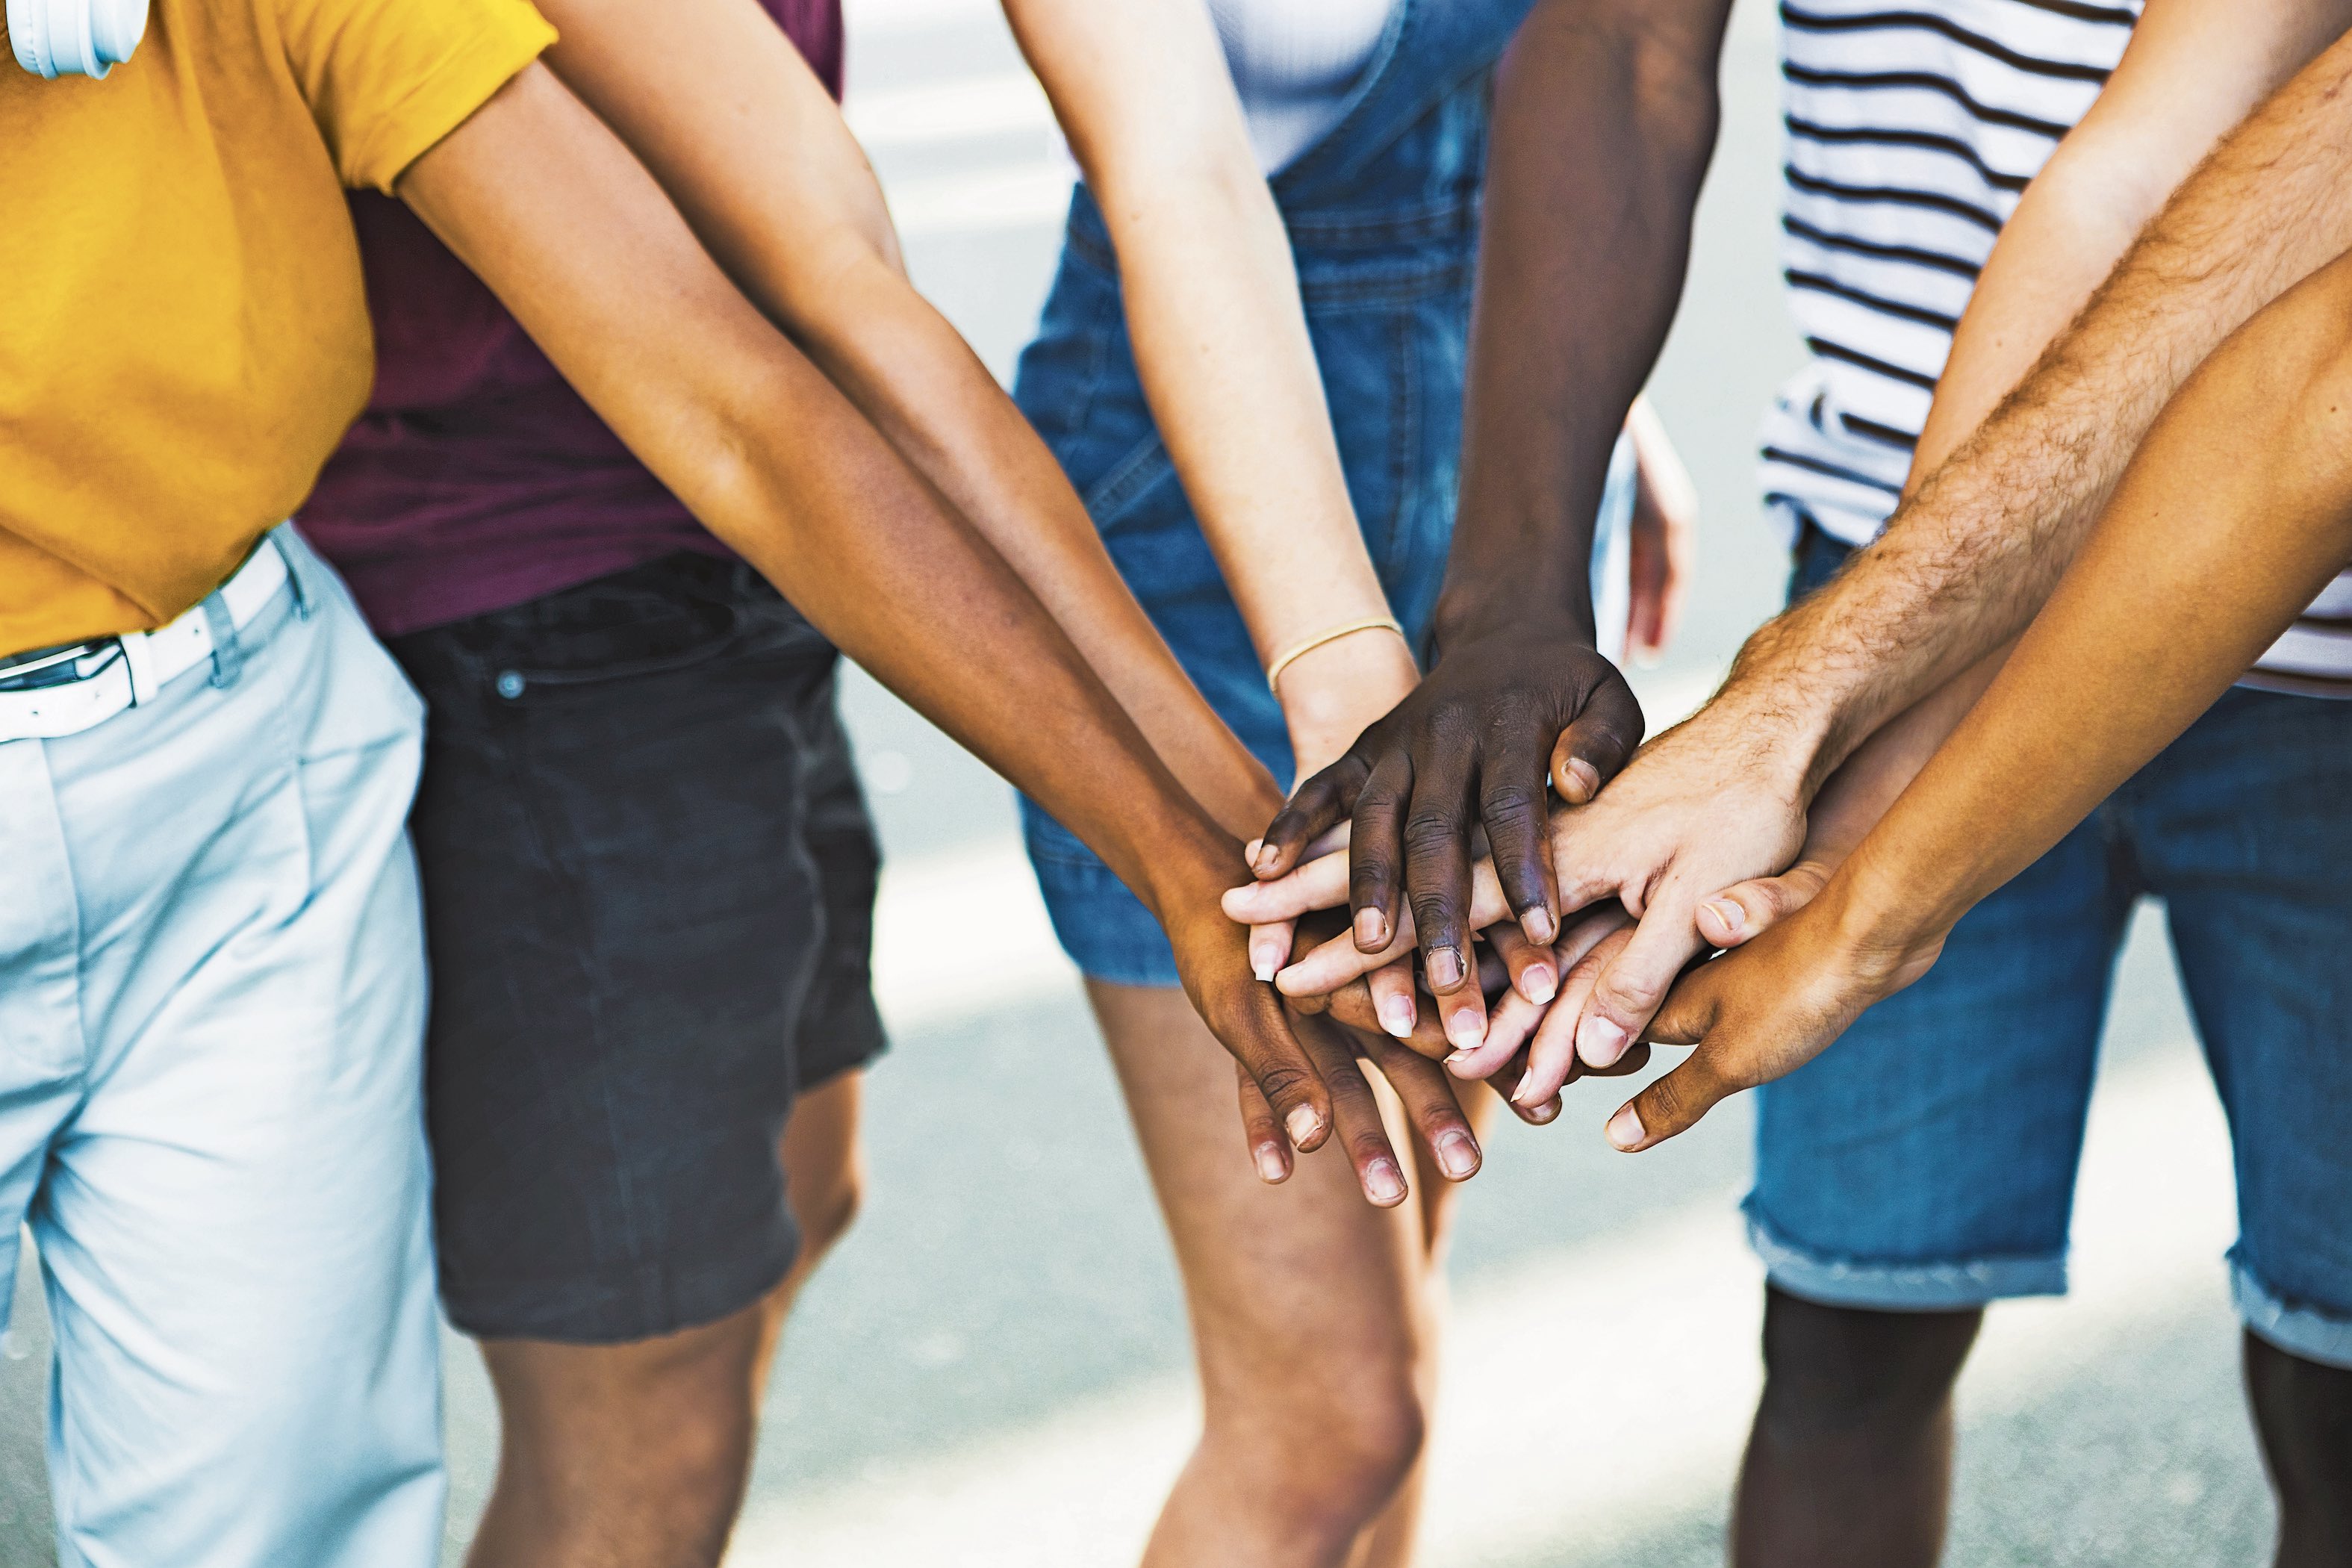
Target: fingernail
[1522,1095]
[1464,1028]
[1583,781]
[1397,1015]
[1733,917]
[1539,1114]
[1264,962]
[1458,1155]
[1625,1128]
[1600,1040]
[1372,930]
[1444,966]
[1537,921]
[1250,849]
[1458,1064]
[1262,861]
[1303,1123]
[1537,985]
[1381,1181]
[1270,1165]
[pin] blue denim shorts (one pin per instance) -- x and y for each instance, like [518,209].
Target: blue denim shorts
[1928,1161]
[1389,337]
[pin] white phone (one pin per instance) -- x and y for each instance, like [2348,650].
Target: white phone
[74,37]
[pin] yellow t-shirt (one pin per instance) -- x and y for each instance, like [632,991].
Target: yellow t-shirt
[183,336]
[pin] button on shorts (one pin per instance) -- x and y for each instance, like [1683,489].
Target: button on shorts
[649,881]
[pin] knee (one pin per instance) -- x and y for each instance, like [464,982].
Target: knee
[1833,1373]
[1334,1456]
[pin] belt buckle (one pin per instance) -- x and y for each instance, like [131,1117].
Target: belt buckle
[65,665]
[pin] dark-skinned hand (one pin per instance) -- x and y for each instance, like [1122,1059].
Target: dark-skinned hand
[1471,748]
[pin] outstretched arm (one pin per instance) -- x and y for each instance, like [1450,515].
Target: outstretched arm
[2194,68]
[1972,555]
[1605,116]
[1969,559]
[538,197]
[726,116]
[1143,94]
[2235,514]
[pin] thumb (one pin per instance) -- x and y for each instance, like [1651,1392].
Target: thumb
[1672,1105]
[1744,910]
[1597,743]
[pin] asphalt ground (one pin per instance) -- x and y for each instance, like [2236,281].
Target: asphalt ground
[993,1367]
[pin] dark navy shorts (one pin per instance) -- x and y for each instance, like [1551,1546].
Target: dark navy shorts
[1927,1161]
[649,885]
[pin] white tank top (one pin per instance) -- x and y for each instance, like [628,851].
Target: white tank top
[1294,63]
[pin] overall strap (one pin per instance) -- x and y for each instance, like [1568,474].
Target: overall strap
[1430,49]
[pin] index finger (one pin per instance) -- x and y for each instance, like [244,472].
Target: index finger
[1254,1027]
[1313,808]
[1317,884]
[1632,985]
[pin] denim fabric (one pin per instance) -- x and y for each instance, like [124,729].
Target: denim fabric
[212,994]
[1383,215]
[649,884]
[1928,1158]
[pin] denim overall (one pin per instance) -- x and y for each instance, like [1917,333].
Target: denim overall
[1383,215]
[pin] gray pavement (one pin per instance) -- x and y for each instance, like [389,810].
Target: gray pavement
[1000,1342]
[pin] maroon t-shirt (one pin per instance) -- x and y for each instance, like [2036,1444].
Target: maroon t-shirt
[477,479]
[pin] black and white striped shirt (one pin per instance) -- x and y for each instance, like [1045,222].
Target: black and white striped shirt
[1913,127]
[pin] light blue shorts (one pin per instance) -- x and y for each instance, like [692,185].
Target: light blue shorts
[1927,1161]
[212,992]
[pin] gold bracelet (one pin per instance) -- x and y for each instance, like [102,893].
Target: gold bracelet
[1330,634]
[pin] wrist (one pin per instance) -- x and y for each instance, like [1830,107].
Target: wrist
[1346,684]
[1780,733]
[1884,921]
[1188,866]
[1470,615]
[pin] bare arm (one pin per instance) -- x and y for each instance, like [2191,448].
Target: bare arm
[2233,515]
[1605,115]
[538,198]
[723,110]
[2194,68]
[1971,555]
[1143,94]
[1969,558]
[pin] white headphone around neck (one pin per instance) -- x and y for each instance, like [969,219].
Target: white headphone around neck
[74,37]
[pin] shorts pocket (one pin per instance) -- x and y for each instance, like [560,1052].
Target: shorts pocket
[612,632]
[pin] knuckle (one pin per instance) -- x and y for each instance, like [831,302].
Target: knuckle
[1433,917]
[1666,1104]
[1512,809]
[1283,1082]
[1620,993]
[1432,830]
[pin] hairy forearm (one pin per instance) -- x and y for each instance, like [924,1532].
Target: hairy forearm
[1604,120]
[1971,558]
[2235,512]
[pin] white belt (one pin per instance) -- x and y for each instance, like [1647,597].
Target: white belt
[149,660]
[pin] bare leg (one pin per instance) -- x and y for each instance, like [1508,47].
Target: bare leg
[2303,1412]
[634,1456]
[1850,1461]
[1312,1313]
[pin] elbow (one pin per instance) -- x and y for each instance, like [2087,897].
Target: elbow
[1654,68]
